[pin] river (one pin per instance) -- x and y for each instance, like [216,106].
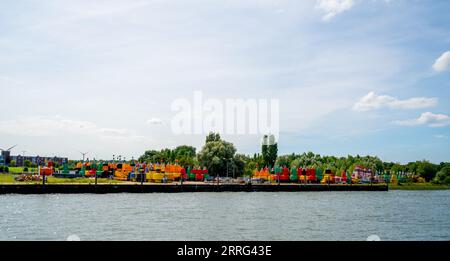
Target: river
[393,215]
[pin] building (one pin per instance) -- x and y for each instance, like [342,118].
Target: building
[39,160]
[5,158]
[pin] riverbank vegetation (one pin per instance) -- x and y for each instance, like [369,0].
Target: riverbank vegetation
[418,186]
[221,158]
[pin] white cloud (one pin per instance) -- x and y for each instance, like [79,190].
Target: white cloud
[7,79]
[41,126]
[442,63]
[372,101]
[85,54]
[440,136]
[333,7]
[155,121]
[427,118]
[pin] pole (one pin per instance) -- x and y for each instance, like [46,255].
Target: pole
[142,177]
[23,160]
[181,180]
[234,171]
[371,178]
[227,169]
[43,178]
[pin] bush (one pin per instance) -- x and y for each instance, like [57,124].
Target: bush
[27,163]
[443,175]
[5,169]
[420,180]
[25,169]
[1,168]
[435,181]
[12,163]
[427,170]
[447,180]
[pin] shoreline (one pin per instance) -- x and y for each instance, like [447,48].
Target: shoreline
[418,186]
[177,188]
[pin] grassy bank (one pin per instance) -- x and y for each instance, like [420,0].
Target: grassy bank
[19,170]
[53,180]
[7,178]
[418,186]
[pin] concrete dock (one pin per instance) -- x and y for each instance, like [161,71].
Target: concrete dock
[178,187]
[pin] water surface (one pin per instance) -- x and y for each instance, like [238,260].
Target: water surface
[393,215]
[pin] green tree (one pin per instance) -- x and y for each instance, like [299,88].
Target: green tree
[269,150]
[272,152]
[283,161]
[217,155]
[165,156]
[149,156]
[184,150]
[240,161]
[12,163]
[212,137]
[184,155]
[186,161]
[249,167]
[427,170]
[443,175]
[412,167]
[27,163]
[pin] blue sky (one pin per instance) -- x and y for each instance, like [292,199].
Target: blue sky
[352,76]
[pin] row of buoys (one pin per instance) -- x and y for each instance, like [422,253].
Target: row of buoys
[285,174]
[310,175]
[47,170]
[90,169]
[170,172]
[197,174]
[167,173]
[139,171]
[316,175]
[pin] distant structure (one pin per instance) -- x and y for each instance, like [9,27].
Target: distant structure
[84,154]
[5,158]
[39,160]
[268,140]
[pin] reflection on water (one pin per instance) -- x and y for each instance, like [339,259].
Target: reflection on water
[393,215]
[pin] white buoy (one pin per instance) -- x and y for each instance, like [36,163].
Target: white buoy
[73,238]
[373,238]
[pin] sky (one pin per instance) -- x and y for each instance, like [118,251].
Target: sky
[351,76]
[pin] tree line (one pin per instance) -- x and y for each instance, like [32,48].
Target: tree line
[221,158]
